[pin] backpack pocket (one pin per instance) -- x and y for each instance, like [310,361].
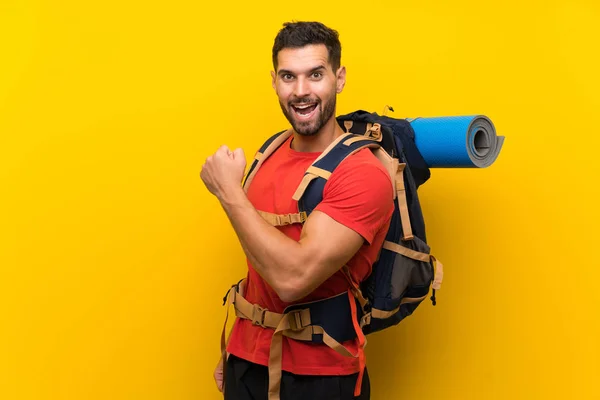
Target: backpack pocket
[403,277]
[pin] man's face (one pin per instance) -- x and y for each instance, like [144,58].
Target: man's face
[307,87]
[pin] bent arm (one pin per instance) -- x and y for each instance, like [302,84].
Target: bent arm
[293,269]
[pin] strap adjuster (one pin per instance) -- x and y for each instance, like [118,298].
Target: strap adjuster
[237,289]
[303,217]
[365,320]
[295,319]
[258,315]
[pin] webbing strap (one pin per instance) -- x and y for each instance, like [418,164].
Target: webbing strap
[348,125]
[276,353]
[331,146]
[362,342]
[314,172]
[439,274]
[354,287]
[357,139]
[410,253]
[376,313]
[283,219]
[303,333]
[258,315]
[230,300]
[261,157]
[224,345]
[296,325]
[308,178]
[373,133]
[402,203]
[320,172]
[390,164]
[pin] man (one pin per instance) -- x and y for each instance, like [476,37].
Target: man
[301,263]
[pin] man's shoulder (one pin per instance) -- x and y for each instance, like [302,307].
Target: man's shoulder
[366,163]
[361,174]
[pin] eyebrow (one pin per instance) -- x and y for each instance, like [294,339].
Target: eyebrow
[315,69]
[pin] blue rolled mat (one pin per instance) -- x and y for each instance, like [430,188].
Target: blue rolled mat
[457,142]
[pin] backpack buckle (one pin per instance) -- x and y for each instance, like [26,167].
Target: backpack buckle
[303,217]
[365,320]
[374,132]
[258,315]
[296,321]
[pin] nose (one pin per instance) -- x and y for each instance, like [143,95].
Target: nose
[302,88]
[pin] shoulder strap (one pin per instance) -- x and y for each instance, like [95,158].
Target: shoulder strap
[401,142]
[310,191]
[268,148]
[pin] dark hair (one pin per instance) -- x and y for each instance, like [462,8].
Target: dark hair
[300,34]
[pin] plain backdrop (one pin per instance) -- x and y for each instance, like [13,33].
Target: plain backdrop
[114,258]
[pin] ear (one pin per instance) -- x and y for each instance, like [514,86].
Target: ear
[340,79]
[273,79]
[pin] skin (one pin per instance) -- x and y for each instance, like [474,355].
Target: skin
[305,75]
[292,268]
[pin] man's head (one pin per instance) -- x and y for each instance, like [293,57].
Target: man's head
[307,76]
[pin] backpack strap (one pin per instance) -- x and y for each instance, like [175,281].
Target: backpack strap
[354,287]
[404,136]
[313,172]
[283,219]
[402,203]
[406,252]
[268,148]
[372,131]
[309,322]
[310,191]
[438,276]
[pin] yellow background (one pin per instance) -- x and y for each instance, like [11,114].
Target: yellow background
[114,258]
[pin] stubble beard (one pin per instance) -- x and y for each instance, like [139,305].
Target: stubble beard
[310,128]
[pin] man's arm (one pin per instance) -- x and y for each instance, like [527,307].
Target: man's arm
[293,269]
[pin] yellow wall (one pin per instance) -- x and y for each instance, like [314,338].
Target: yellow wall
[114,258]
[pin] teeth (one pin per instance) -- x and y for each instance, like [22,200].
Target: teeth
[304,106]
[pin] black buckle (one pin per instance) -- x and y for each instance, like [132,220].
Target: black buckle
[237,288]
[258,315]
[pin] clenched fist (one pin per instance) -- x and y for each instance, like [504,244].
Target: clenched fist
[223,171]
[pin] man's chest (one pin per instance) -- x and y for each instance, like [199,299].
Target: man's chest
[275,182]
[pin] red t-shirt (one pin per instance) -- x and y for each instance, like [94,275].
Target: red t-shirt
[359,195]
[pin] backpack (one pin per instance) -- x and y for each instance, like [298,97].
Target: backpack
[405,271]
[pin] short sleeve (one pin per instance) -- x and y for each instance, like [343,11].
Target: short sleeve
[359,195]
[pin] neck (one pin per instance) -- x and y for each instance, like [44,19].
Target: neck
[319,141]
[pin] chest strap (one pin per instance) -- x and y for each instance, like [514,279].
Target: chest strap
[283,219]
[300,322]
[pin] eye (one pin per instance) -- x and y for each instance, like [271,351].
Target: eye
[287,77]
[317,75]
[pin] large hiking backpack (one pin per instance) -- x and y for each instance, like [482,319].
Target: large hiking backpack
[405,271]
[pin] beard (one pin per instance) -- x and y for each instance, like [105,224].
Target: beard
[311,127]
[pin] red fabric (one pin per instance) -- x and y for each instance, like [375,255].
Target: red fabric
[361,341]
[358,195]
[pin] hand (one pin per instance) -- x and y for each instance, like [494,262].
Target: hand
[224,171]
[219,375]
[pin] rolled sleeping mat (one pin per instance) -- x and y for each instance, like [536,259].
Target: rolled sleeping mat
[457,142]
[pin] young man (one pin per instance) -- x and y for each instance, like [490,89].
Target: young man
[301,263]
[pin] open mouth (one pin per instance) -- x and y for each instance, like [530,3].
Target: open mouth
[305,111]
